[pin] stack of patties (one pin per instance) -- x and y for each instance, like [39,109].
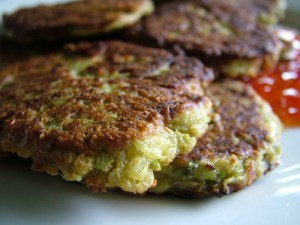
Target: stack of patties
[108,113]
[115,115]
[43,29]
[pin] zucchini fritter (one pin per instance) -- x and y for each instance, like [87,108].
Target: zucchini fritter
[223,39]
[75,19]
[105,113]
[266,11]
[240,146]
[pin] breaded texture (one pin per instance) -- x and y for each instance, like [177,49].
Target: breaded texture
[240,146]
[76,19]
[218,36]
[99,114]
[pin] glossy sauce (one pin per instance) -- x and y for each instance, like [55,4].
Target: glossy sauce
[281,87]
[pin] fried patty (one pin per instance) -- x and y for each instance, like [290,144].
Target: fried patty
[240,146]
[75,19]
[108,114]
[267,11]
[221,38]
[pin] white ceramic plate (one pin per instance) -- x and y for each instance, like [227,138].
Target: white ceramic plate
[29,198]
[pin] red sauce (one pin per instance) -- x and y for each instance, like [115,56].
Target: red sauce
[281,87]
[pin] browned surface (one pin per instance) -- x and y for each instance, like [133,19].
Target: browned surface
[249,9]
[211,33]
[241,129]
[145,63]
[61,21]
[47,103]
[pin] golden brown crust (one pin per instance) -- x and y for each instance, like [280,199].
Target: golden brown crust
[267,11]
[241,129]
[157,65]
[243,137]
[212,32]
[67,20]
[50,103]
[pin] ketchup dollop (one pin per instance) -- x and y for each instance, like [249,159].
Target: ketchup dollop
[281,86]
